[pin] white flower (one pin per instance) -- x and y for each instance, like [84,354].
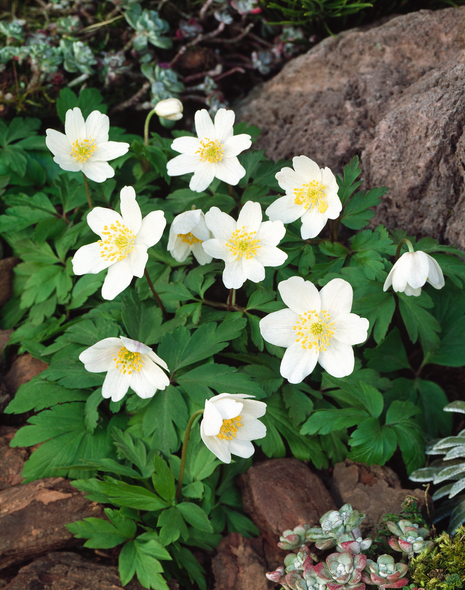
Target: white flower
[212,154]
[187,234]
[123,244]
[311,194]
[128,363]
[229,424]
[317,327]
[85,145]
[170,108]
[246,245]
[411,272]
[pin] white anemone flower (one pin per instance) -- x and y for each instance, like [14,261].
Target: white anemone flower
[84,146]
[412,271]
[311,194]
[187,234]
[128,363]
[212,154]
[316,327]
[246,245]
[230,423]
[170,109]
[123,244]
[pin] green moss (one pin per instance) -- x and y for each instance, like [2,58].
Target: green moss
[443,566]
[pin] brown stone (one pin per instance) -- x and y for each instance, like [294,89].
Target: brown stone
[279,494]
[33,518]
[68,571]
[24,368]
[392,94]
[373,490]
[11,459]
[6,278]
[240,564]
[4,337]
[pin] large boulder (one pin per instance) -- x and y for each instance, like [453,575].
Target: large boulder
[392,94]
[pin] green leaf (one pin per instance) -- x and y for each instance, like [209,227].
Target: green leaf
[418,321]
[432,401]
[131,496]
[137,557]
[195,516]
[300,406]
[172,526]
[410,439]
[239,523]
[349,183]
[163,480]
[165,409]
[141,319]
[327,421]
[388,356]
[39,394]
[357,212]
[102,534]
[134,450]
[91,415]
[372,443]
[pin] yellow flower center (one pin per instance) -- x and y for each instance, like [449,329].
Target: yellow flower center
[211,150]
[311,195]
[118,243]
[243,244]
[314,329]
[189,238]
[128,362]
[83,149]
[229,428]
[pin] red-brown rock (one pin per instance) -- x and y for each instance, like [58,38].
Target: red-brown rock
[68,571]
[4,337]
[33,518]
[11,459]
[392,94]
[24,368]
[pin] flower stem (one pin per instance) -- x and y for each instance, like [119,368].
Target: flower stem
[86,184]
[146,127]
[399,247]
[231,298]
[155,294]
[184,452]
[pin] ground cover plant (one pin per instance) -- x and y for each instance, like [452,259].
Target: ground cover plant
[180,324]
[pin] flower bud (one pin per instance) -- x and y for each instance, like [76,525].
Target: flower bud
[170,108]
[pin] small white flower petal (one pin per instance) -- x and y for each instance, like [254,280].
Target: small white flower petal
[418,267]
[119,277]
[99,357]
[212,419]
[67,163]
[75,127]
[336,298]
[135,345]
[250,217]
[351,328]
[298,363]
[130,210]
[57,142]
[97,171]
[224,121]
[338,359]
[285,210]
[241,448]
[234,275]
[200,255]
[435,275]
[215,446]
[110,150]
[230,170]
[218,249]
[203,125]
[252,408]
[99,218]
[271,256]
[187,146]
[203,176]
[278,327]
[98,127]
[253,269]
[138,259]
[237,144]
[271,233]
[252,429]
[307,169]
[151,229]
[183,164]
[116,385]
[88,260]
[300,295]
[185,222]
[312,223]
[220,224]
[288,180]
[412,292]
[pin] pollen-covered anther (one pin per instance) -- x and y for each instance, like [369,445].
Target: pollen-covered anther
[243,244]
[128,362]
[83,149]
[189,239]
[118,242]
[314,329]
[211,150]
[310,195]
[229,428]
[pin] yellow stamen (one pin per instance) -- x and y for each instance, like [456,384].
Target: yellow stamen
[189,238]
[311,195]
[83,149]
[128,362]
[314,329]
[229,428]
[243,244]
[118,243]
[211,150]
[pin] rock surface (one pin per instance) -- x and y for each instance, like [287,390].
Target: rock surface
[11,459]
[33,518]
[394,95]
[23,369]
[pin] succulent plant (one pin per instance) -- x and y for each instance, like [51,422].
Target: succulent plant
[410,538]
[385,573]
[292,539]
[335,523]
[347,542]
[299,573]
[342,570]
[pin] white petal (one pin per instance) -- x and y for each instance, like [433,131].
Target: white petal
[158,360]
[307,169]
[57,142]
[68,163]
[138,259]
[97,127]
[271,233]
[187,145]
[200,255]
[412,292]
[278,327]
[251,430]
[178,249]
[224,121]
[351,328]
[110,150]
[151,229]
[88,260]
[271,256]
[419,267]
[312,223]
[241,448]
[115,385]
[285,210]
[435,276]
[288,180]
[229,170]
[218,249]
[130,210]
[203,176]
[237,144]
[183,164]
[148,380]
[298,363]
[99,357]
[212,419]
[338,359]
[99,218]
[97,171]
[227,406]
[75,127]
[336,298]
[253,409]
[135,345]
[400,274]
[253,269]
[216,446]
[300,295]
[220,224]
[118,278]
[185,222]
[234,275]
[250,217]
[388,281]
[203,125]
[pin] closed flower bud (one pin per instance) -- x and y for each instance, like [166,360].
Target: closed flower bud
[170,108]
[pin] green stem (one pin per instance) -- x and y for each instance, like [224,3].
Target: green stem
[146,127]
[336,228]
[184,452]
[155,294]
[399,248]
[86,184]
